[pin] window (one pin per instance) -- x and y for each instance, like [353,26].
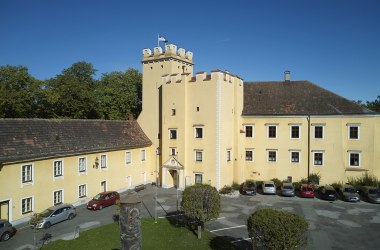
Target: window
[354,159]
[58,168]
[272,131]
[143,155]
[294,156]
[249,155]
[318,159]
[103,161]
[353,132]
[128,157]
[272,156]
[228,155]
[173,151]
[173,134]
[82,164]
[198,132]
[197,109]
[27,173]
[103,186]
[295,132]
[82,191]
[173,112]
[318,132]
[249,131]
[27,205]
[198,156]
[198,178]
[57,197]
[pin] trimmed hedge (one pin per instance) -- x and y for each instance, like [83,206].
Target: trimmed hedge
[275,229]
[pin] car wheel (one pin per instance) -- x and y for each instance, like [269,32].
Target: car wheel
[71,216]
[47,225]
[6,236]
[100,207]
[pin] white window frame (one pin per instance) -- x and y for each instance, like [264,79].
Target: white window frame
[173,149]
[349,126]
[54,169]
[349,159]
[196,134]
[323,158]
[198,152]
[130,158]
[84,165]
[245,154]
[268,129]
[80,190]
[30,207]
[143,155]
[103,161]
[291,156]
[299,132]
[245,130]
[228,155]
[268,158]
[27,179]
[174,112]
[195,178]
[323,131]
[171,136]
[60,191]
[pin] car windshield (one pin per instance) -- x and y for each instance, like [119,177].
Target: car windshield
[288,187]
[374,191]
[307,189]
[250,184]
[268,185]
[46,213]
[98,197]
[349,190]
[330,192]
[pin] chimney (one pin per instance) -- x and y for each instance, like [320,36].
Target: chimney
[287,76]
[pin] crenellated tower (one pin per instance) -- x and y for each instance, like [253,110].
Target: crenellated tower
[155,65]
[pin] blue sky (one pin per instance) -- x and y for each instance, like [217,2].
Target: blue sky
[333,43]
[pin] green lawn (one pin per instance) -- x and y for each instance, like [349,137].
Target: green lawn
[162,235]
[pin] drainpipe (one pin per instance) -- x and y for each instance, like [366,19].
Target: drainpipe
[308,148]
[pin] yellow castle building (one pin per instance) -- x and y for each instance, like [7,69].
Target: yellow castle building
[203,128]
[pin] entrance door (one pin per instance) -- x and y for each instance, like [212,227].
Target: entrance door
[174,175]
[103,186]
[4,210]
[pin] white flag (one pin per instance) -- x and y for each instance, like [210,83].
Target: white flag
[162,39]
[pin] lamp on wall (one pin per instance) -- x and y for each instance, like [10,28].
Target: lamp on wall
[96,164]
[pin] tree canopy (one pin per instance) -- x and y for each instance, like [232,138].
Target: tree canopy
[75,94]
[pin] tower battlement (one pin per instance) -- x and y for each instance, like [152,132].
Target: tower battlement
[170,51]
[202,76]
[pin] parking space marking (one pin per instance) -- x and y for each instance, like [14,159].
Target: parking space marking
[227,228]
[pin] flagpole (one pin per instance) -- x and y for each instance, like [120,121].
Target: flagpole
[158,40]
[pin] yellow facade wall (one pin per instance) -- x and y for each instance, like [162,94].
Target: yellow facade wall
[118,175]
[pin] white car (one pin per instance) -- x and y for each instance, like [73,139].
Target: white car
[269,187]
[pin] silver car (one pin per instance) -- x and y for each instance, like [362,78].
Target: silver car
[349,193]
[53,215]
[269,187]
[287,189]
[371,194]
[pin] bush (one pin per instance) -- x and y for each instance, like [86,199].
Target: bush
[274,229]
[226,190]
[259,184]
[314,178]
[297,185]
[235,186]
[365,180]
[277,183]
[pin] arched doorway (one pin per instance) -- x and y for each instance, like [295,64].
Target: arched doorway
[174,175]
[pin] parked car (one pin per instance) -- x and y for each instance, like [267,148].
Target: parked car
[6,230]
[53,215]
[102,200]
[248,187]
[371,194]
[269,187]
[287,189]
[307,191]
[327,193]
[349,193]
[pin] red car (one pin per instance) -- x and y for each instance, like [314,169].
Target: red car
[104,199]
[307,191]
